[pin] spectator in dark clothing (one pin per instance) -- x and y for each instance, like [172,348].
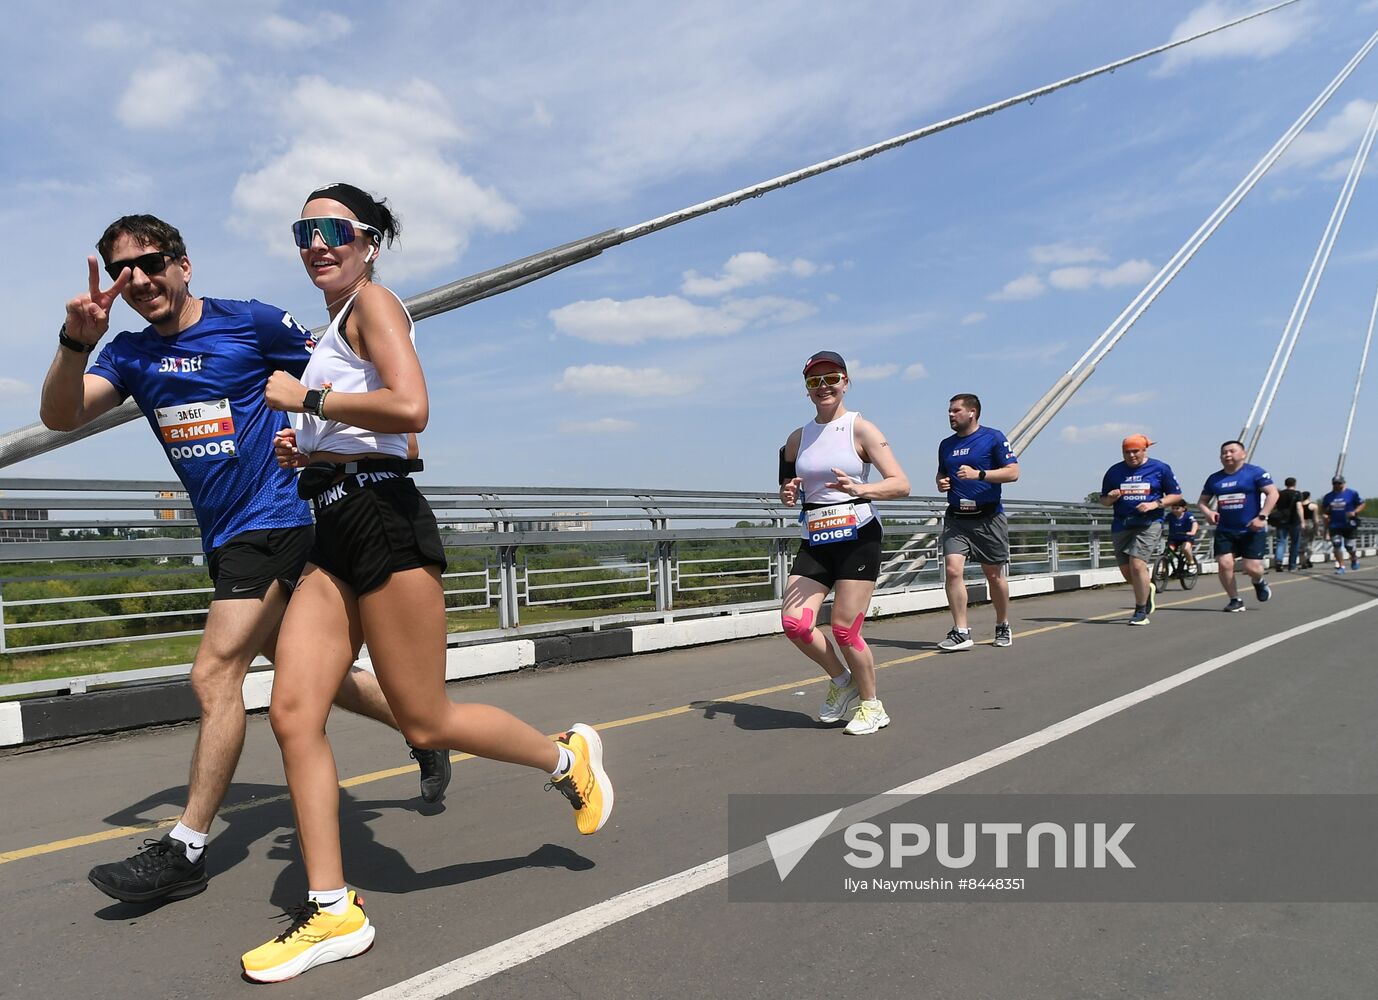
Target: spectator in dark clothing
[1286,520]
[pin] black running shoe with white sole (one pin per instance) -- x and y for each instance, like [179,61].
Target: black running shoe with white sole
[435,772]
[160,872]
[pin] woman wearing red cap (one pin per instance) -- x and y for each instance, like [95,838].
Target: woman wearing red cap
[825,466]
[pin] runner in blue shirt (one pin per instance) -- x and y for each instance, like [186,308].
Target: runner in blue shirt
[198,372]
[1138,488]
[1341,508]
[973,463]
[1244,496]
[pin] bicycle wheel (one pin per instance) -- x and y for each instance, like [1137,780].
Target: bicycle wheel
[1190,571]
[1162,571]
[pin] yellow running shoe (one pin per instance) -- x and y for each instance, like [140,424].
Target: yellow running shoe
[314,938]
[585,784]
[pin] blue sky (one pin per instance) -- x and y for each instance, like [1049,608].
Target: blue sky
[983,259]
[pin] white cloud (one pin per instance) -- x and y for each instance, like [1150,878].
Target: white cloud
[403,160]
[972,318]
[1134,398]
[11,388]
[1064,253]
[1081,278]
[1029,286]
[1338,138]
[168,89]
[1041,353]
[670,317]
[111,35]
[614,380]
[1098,432]
[751,267]
[285,33]
[1257,39]
[915,371]
[603,425]
[860,372]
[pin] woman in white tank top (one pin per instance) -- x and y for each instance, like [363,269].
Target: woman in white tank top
[826,466]
[374,576]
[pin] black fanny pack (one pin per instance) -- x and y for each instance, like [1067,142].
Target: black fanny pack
[325,483]
[980,510]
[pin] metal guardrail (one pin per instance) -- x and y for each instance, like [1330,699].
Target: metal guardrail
[523,559]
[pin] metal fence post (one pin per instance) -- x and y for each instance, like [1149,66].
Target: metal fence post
[1095,545]
[665,557]
[1052,545]
[508,615]
[2,617]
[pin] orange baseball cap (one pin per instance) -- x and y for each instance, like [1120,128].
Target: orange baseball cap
[1135,441]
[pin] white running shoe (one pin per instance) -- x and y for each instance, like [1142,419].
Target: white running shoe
[956,640]
[839,702]
[870,718]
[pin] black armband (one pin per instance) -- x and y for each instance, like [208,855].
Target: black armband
[786,468]
[71,343]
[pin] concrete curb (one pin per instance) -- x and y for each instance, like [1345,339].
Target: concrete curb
[111,710]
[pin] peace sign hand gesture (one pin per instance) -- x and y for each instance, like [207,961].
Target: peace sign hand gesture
[88,315]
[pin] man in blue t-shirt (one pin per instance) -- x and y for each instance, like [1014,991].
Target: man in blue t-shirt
[1341,508]
[972,465]
[1138,488]
[198,373]
[1244,496]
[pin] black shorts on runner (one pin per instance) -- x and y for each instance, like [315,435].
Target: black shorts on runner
[246,566]
[372,532]
[1244,544]
[855,560]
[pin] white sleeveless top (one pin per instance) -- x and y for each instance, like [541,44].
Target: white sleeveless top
[824,447]
[333,363]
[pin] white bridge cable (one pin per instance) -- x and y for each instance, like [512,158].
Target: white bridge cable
[35,439]
[1358,381]
[1291,333]
[1047,407]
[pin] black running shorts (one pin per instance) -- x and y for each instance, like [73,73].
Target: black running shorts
[855,560]
[246,566]
[379,530]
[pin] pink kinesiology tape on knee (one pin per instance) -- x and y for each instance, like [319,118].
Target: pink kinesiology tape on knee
[799,629]
[850,635]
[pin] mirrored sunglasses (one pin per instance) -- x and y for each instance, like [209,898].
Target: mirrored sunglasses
[149,263]
[830,378]
[333,232]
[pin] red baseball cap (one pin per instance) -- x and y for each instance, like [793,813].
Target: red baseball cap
[829,356]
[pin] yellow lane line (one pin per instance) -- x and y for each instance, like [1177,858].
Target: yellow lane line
[393,772]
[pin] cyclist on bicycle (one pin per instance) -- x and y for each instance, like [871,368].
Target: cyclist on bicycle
[1182,529]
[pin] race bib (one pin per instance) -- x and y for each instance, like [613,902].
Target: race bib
[1231,501]
[964,504]
[1131,491]
[826,525]
[197,432]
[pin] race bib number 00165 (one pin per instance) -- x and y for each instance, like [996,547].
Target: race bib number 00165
[831,524]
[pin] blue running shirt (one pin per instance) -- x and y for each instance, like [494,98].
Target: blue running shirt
[1149,483]
[1238,495]
[1338,505]
[1179,528]
[984,448]
[202,393]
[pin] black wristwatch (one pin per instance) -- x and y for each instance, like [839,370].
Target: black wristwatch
[70,344]
[981,475]
[312,403]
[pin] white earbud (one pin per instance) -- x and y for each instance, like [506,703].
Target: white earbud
[372,252]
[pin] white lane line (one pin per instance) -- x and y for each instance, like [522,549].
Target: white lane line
[473,968]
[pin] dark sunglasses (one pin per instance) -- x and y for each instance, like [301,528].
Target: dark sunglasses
[334,232]
[149,263]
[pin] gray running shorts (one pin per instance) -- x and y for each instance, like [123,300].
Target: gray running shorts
[985,539]
[1145,544]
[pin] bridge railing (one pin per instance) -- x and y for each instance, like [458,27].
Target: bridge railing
[87,564]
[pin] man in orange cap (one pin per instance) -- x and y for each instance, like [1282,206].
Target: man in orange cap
[1139,489]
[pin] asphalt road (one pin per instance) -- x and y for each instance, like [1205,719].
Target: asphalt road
[682,730]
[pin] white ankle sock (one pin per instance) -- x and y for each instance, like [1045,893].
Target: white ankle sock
[334,901]
[844,678]
[566,762]
[195,842]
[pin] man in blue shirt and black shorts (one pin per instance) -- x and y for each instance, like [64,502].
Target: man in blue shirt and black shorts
[1139,488]
[1341,508]
[1244,496]
[198,373]
[972,465]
